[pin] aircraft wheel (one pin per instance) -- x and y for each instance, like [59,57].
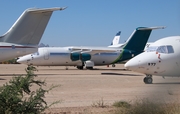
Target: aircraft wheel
[90,68]
[148,80]
[113,65]
[80,67]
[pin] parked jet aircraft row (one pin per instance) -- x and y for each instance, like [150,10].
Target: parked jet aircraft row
[90,56]
[161,58]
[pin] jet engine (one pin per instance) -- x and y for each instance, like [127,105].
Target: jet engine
[74,56]
[80,56]
[85,56]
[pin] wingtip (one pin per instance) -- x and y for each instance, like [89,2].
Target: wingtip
[63,8]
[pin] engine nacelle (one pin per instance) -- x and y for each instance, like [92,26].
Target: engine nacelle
[85,56]
[80,56]
[75,56]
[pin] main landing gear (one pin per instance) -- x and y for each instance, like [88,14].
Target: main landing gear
[89,68]
[80,67]
[113,65]
[148,79]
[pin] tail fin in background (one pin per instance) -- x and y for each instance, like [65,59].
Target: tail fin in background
[29,27]
[139,38]
[116,39]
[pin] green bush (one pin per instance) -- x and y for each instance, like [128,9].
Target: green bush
[123,104]
[16,97]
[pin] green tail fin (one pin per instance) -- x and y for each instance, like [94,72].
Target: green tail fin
[139,38]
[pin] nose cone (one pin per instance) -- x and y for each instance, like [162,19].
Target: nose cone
[142,63]
[137,63]
[21,60]
[24,59]
[132,64]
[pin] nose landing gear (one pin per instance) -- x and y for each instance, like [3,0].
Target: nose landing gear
[148,79]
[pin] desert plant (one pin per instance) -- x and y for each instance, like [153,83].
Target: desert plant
[122,104]
[17,96]
[99,103]
[143,106]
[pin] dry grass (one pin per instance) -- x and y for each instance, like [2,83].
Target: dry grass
[140,106]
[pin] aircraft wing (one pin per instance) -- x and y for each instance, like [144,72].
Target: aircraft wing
[93,50]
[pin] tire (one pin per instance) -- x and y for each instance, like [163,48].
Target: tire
[90,68]
[148,80]
[113,65]
[80,67]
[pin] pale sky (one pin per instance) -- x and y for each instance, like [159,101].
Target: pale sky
[95,22]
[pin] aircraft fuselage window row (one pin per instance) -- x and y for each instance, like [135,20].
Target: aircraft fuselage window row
[161,49]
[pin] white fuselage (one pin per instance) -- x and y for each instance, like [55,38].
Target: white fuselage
[9,51]
[161,58]
[61,56]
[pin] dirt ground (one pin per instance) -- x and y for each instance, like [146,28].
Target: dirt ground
[82,90]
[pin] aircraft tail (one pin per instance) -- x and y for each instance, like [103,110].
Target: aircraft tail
[116,39]
[139,38]
[29,27]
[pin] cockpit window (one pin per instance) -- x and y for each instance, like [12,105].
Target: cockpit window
[170,49]
[161,49]
[151,48]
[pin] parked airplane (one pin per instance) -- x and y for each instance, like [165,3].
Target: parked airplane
[115,41]
[90,56]
[24,35]
[160,59]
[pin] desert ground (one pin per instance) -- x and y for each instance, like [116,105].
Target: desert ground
[85,88]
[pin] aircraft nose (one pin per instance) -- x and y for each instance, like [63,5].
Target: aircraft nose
[21,60]
[131,64]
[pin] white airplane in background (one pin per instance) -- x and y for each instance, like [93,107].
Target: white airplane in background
[90,56]
[162,58]
[24,35]
[115,41]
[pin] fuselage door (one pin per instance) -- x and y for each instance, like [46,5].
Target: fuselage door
[46,54]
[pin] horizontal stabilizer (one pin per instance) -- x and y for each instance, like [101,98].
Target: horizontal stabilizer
[37,10]
[150,28]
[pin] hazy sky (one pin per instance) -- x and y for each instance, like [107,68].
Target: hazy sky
[95,22]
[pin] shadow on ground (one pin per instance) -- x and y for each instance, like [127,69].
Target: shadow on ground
[121,74]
